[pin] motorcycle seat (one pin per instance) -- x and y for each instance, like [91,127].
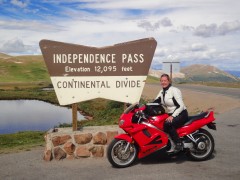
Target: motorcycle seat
[195,118]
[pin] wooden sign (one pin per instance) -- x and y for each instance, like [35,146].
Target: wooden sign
[81,73]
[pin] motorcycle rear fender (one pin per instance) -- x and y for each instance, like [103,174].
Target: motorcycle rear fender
[125,137]
[185,130]
[212,125]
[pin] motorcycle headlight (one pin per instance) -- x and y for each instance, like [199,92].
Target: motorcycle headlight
[121,122]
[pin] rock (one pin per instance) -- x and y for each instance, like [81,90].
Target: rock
[83,138]
[70,157]
[59,140]
[82,151]
[69,148]
[48,142]
[100,138]
[97,151]
[111,135]
[47,155]
[59,153]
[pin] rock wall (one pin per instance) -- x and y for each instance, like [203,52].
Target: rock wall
[63,143]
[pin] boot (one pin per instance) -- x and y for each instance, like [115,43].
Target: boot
[178,147]
[175,147]
[172,149]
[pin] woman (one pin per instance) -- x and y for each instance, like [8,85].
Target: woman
[171,98]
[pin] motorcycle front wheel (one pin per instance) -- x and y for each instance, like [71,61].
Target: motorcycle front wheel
[204,146]
[120,154]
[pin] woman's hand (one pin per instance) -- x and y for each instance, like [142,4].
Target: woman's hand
[169,119]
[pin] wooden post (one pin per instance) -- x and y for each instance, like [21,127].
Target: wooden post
[171,71]
[74,116]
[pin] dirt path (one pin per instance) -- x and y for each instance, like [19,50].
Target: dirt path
[198,101]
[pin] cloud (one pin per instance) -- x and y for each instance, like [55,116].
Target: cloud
[198,47]
[187,28]
[16,46]
[106,22]
[205,30]
[228,27]
[214,30]
[29,25]
[166,22]
[124,4]
[20,3]
[161,52]
[149,26]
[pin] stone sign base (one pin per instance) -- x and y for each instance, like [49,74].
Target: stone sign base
[91,141]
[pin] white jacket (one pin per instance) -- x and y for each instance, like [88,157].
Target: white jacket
[172,100]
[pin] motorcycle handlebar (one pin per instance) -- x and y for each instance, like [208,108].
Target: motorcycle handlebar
[142,116]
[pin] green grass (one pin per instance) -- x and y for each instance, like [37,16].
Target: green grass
[30,94]
[21,141]
[151,79]
[104,112]
[23,69]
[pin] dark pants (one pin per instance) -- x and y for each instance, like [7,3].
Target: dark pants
[170,127]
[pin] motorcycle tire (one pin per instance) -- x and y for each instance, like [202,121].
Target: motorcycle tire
[204,147]
[116,155]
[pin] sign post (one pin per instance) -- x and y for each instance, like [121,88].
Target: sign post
[170,67]
[74,116]
[79,73]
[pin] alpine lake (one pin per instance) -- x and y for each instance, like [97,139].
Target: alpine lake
[32,115]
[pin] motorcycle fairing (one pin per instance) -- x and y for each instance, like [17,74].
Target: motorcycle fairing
[188,129]
[148,142]
[124,137]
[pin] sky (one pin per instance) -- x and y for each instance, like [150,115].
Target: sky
[188,31]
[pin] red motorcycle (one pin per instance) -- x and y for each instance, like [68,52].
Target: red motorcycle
[144,135]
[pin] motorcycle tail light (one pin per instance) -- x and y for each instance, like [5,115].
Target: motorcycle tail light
[121,122]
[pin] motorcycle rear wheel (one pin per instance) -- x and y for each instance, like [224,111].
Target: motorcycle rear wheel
[204,147]
[118,157]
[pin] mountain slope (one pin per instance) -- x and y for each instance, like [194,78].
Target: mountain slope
[4,56]
[32,68]
[158,73]
[199,73]
[207,73]
[22,69]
